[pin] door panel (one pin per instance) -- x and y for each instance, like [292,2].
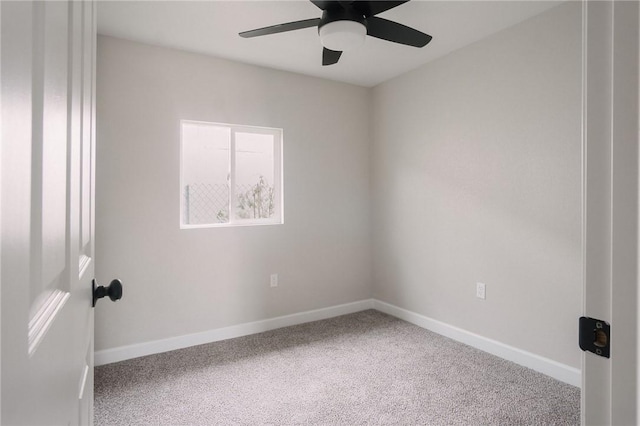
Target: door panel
[51,188]
[47,166]
[49,279]
[88,131]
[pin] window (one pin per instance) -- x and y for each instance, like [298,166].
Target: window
[230,175]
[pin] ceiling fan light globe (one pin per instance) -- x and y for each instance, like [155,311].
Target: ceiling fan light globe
[342,35]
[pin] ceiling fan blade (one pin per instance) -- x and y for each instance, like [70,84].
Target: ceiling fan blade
[280,28]
[370,8]
[330,57]
[397,33]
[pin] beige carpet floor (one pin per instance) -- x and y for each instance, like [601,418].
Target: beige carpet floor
[363,368]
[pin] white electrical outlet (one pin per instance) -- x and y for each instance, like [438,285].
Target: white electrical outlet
[274,280]
[481,291]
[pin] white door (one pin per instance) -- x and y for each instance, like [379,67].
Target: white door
[47,190]
[609,391]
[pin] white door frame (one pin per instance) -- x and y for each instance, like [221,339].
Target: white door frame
[610,206]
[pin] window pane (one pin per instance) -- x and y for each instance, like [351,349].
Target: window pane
[205,173]
[255,195]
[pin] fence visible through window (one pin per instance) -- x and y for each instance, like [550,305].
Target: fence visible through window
[206,203]
[209,203]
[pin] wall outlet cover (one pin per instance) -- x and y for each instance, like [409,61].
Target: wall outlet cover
[481,291]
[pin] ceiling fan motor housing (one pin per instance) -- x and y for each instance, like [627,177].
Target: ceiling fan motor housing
[342,29]
[345,24]
[341,14]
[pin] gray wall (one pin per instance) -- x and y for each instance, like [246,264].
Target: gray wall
[476,172]
[185,281]
[464,170]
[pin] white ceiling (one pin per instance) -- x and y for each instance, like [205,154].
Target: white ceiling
[212,27]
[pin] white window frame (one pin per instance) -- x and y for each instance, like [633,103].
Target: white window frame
[278,139]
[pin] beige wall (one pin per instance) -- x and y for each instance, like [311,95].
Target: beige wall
[476,168]
[178,282]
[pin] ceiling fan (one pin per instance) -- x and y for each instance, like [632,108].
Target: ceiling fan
[344,25]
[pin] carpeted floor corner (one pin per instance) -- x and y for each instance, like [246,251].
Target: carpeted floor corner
[363,368]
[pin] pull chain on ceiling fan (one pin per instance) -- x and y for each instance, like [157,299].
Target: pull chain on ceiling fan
[344,25]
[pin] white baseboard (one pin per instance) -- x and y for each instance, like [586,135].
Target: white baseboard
[108,356]
[558,371]
[543,365]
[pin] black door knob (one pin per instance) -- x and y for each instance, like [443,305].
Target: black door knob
[114,291]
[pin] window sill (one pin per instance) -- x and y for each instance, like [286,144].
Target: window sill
[232,225]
